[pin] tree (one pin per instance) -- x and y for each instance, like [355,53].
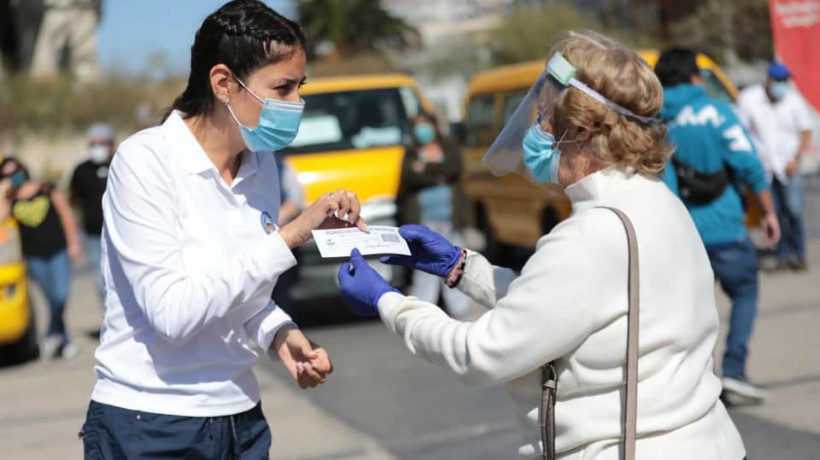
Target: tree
[722,29]
[527,32]
[354,26]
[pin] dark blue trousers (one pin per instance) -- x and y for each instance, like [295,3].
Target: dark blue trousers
[735,267]
[113,433]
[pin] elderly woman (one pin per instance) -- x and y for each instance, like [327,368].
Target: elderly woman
[596,137]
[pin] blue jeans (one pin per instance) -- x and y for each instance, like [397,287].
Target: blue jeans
[93,251]
[53,274]
[735,267]
[788,201]
[111,432]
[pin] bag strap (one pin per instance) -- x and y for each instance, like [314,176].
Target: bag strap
[549,377]
[631,411]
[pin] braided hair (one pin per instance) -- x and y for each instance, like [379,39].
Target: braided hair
[245,35]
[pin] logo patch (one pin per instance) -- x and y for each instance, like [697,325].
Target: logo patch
[267,222]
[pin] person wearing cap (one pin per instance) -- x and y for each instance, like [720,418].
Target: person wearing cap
[780,125]
[87,188]
[596,137]
[713,156]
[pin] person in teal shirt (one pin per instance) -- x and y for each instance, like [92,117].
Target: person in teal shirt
[714,156]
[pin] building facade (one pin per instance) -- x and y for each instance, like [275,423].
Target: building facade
[46,38]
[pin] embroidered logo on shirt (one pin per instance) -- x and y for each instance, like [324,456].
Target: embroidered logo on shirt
[267,222]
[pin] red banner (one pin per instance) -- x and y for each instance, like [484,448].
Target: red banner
[796,27]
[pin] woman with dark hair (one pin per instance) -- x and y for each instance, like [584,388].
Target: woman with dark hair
[50,242]
[191,252]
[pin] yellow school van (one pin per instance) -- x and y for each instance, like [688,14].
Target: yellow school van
[353,135]
[510,210]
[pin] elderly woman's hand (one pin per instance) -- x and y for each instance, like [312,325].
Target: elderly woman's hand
[362,286]
[340,206]
[429,251]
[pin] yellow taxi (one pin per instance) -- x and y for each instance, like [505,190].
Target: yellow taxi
[510,210]
[354,133]
[18,331]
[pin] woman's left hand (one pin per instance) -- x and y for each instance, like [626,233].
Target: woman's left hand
[306,362]
[340,204]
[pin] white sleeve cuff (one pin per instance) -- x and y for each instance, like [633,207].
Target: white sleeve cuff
[388,308]
[281,257]
[268,329]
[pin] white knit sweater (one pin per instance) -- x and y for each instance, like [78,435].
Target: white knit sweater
[570,303]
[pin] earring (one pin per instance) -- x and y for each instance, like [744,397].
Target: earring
[223,98]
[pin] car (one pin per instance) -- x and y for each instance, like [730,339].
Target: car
[18,328]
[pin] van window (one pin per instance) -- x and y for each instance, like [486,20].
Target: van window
[714,87]
[412,106]
[351,120]
[511,101]
[479,121]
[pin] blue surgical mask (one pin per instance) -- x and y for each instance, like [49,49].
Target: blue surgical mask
[424,132]
[779,89]
[277,127]
[18,178]
[541,154]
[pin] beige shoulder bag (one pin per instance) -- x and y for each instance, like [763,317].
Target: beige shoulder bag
[549,379]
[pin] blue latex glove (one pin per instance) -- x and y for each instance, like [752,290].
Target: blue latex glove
[429,251]
[363,286]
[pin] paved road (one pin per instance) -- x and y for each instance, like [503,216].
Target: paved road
[418,411]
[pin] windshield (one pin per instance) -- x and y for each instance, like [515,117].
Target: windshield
[354,120]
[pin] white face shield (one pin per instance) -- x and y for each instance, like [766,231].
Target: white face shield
[505,154]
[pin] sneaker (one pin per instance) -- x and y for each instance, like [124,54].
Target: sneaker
[782,265]
[798,265]
[774,266]
[739,391]
[69,351]
[50,347]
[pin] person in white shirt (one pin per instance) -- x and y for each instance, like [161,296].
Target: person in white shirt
[780,125]
[191,252]
[597,137]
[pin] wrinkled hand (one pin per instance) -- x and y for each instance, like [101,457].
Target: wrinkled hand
[429,251]
[362,286]
[306,362]
[340,204]
[770,228]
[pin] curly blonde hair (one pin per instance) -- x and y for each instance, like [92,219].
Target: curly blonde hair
[620,75]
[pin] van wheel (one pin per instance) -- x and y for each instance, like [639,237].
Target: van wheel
[25,349]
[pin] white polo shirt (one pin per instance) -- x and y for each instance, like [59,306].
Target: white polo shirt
[774,127]
[189,264]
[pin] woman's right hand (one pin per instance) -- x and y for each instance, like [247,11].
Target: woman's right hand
[429,251]
[339,205]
